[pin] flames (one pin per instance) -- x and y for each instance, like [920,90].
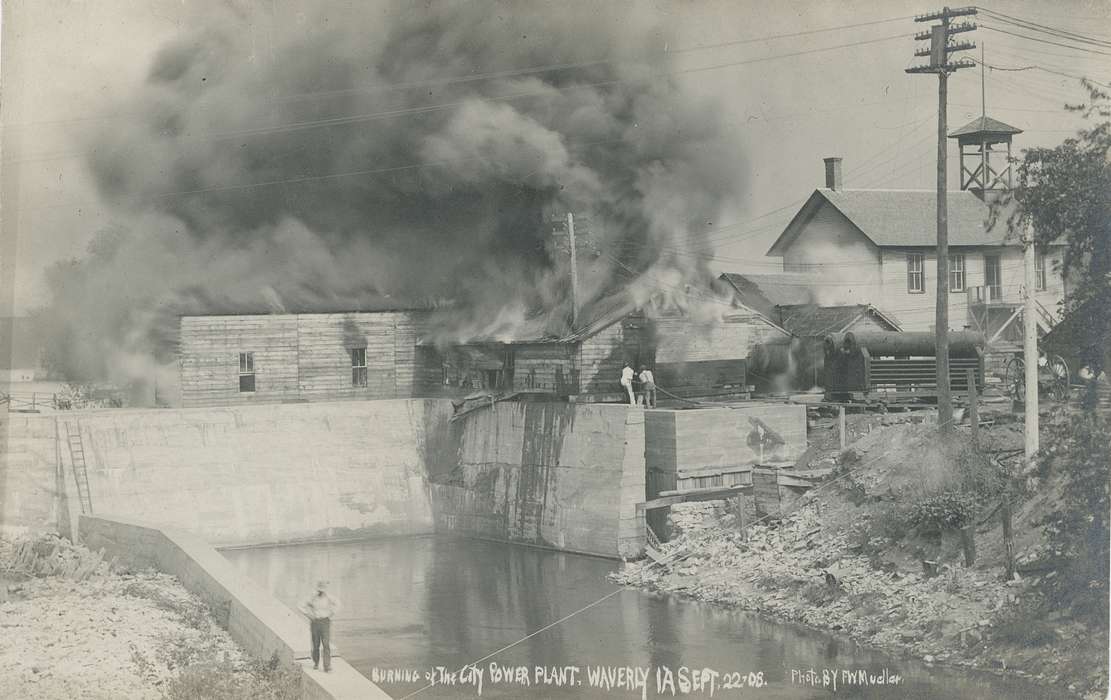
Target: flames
[376,158]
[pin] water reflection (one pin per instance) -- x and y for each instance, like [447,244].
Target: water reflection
[424,602]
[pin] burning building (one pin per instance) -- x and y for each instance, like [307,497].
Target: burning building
[384,159]
[697,349]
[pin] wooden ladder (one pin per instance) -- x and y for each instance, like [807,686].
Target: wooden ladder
[80,471]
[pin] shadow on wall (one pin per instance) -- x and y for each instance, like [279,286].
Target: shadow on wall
[440,442]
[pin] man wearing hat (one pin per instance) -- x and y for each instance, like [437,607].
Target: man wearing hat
[320,608]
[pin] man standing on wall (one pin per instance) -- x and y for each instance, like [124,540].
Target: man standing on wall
[627,382]
[648,386]
[320,607]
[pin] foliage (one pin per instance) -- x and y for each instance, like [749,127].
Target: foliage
[264,681]
[1064,195]
[963,481]
[948,509]
[1078,449]
[1024,624]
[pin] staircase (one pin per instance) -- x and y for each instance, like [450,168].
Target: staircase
[80,471]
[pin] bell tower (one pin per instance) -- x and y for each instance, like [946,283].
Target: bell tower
[985,146]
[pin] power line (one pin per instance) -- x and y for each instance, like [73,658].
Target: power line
[1046,29]
[506,73]
[1043,41]
[411,111]
[1037,67]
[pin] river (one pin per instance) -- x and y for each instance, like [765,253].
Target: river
[425,602]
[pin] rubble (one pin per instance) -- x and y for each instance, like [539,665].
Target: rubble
[75,627]
[815,570]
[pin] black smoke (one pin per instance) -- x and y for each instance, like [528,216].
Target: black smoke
[384,157]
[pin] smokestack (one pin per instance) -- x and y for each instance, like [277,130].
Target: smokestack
[833,173]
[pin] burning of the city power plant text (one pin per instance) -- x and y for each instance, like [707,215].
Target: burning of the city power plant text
[391,157]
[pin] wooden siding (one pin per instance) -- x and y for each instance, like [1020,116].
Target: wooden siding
[915,312]
[299,356]
[602,355]
[210,348]
[842,260]
[732,337]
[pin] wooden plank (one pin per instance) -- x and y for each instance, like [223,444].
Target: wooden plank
[669,498]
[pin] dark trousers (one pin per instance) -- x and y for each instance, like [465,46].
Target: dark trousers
[321,630]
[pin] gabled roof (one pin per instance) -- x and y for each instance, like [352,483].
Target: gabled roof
[763,293]
[902,218]
[985,125]
[807,320]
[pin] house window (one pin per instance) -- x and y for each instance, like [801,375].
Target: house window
[956,273]
[246,372]
[993,277]
[1039,272]
[358,366]
[916,273]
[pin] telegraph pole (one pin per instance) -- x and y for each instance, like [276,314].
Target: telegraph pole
[1030,347]
[939,51]
[574,270]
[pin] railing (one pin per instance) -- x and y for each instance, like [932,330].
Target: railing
[28,402]
[993,294]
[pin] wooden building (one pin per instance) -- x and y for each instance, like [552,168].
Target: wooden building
[293,357]
[877,246]
[691,354]
[372,355]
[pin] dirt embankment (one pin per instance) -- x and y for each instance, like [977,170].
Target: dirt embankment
[76,627]
[843,559]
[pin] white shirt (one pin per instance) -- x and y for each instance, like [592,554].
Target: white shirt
[627,375]
[320,605]
[647,379]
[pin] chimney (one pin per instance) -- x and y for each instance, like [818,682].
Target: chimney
[833,173]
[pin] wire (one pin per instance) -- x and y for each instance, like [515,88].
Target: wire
[389,114]
[506,73]
[1046,29]
[1037,67]
[1043,41]
[674,559]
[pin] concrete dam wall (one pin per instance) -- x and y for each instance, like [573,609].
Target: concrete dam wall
[556,474]
[236,475]
[562,475]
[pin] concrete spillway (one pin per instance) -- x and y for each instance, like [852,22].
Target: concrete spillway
[561,475]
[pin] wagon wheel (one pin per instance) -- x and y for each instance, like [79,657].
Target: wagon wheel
[1015,379]
[1058,379]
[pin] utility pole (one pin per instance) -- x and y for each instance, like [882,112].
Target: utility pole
[574,271]
[939,51]
[1030,348]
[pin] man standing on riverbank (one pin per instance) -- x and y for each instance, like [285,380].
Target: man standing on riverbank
[320,607]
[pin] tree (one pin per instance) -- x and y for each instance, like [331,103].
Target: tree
[1064,195]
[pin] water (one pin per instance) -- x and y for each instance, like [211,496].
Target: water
[419,603]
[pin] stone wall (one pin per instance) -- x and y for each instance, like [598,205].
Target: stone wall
[236,475]
[32,493]
[702,440]
[561,475]
[256,620]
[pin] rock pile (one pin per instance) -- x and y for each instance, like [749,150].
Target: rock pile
[73,627]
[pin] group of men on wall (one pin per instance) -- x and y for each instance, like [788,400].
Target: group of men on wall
[644,383]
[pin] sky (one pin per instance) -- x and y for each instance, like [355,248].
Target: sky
[68,69]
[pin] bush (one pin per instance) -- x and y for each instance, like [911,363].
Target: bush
[948,509]
[1025,625]
[264,681]
[1077,449]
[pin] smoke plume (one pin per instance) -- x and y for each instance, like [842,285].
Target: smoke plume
[388,156]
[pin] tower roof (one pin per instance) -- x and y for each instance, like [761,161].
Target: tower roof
[980,127]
